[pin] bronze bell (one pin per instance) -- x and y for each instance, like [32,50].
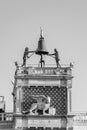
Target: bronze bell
[41,47]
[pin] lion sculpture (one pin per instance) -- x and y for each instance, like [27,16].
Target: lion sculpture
[42,104]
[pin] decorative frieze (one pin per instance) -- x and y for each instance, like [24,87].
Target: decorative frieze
[30,122]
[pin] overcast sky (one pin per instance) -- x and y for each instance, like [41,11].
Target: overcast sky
[64,24]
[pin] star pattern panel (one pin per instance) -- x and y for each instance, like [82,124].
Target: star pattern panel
[57,94]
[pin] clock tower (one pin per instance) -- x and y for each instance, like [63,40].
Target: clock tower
[42,93]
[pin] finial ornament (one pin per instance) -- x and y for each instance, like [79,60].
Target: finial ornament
[40,32]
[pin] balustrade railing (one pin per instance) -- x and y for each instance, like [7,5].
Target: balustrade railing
[43,71]
[6,116]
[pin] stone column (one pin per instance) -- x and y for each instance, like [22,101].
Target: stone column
[69,100]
